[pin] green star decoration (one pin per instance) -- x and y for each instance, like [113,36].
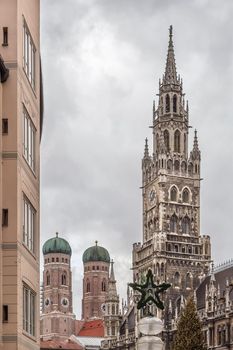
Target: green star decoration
[150,291]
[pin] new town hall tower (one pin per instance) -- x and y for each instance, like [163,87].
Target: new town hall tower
[172,245]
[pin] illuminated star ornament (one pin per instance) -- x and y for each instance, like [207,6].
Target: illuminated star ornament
[150,291]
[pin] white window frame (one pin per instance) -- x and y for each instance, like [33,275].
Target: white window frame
[29,225]
[29,138]
[29,310]
[29,55]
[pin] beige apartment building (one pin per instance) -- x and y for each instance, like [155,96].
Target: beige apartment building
[21,114]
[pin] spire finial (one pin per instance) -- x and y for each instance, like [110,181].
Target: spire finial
[96,242]
[146,149]
[56,234]
[170,71]
[170,32]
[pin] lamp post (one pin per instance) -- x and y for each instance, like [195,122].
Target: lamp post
[150,326]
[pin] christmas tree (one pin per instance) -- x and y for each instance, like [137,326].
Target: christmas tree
[189,335]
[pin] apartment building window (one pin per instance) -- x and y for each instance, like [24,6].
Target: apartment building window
[5,36]
[28,224]
[4,217]
[4,126]
[29,310]
[5,313]
[29,140]
[29,53]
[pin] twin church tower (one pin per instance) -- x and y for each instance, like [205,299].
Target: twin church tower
[100,297]
[172,245]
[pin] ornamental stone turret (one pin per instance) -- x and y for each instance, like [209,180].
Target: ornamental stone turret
[57,318]
[112,312]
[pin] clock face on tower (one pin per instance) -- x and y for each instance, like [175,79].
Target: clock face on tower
[65,302]
[47,302]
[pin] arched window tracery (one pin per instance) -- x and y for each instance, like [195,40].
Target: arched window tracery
[177,141]
[174,103]
[188,280]
[186,225]
[177,279]
[166,139]
[173,223]
[167,103]
[185,195]
[177,165]
[174,194]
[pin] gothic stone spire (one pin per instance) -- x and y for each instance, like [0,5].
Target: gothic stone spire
[170,76]
[195,153]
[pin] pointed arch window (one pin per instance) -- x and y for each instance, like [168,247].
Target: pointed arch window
[185,143]
[157,142]
[88,286]
[183,167]
[113,309]
[177,279]
[173,223]
[177,141]
[186,225]
[166,139]
[169,165]
[175,104]
[177,165]
[47,278]
[185,195]
[190,168]
[167,103]
[173,194]
[162,270]
[64,279]
[188,281]
[103,286]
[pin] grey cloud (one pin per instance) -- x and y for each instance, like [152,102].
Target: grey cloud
[101,64]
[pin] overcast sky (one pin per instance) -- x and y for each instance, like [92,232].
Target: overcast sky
[102,61]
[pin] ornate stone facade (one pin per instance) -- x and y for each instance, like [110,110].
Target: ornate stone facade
[172,245]
[215,307]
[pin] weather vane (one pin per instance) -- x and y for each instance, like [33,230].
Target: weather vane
[150,291]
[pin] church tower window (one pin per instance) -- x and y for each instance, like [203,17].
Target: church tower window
[103,286]
[166,139]
[186,225]
[177,141]
[174,194]
[188,281]
[185,195]
[176,279]
[88,287]
[63,279]
[47,278]
[167,99]
[169,165]
[177,165]
[174,103]
[173,223]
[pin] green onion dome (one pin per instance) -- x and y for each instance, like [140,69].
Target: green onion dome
[96,253]
[56,245]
